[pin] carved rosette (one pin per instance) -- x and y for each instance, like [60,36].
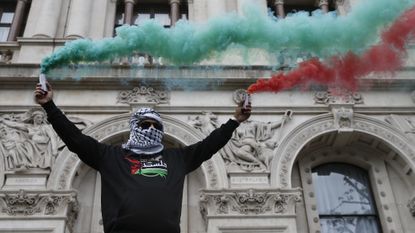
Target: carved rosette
[214,203]
[411,206]
[29,203]
[338,96]
[143,95]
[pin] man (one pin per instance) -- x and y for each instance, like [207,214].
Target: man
[142,183]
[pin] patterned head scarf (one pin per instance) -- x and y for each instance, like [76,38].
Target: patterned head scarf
[144,141]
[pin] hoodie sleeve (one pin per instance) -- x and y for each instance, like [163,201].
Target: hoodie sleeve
[89,150]
[196,154]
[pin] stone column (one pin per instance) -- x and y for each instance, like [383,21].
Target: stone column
[216,7]
[128,13]
[78,19]
[190,8]
[174,11]
[17,20]
[279,8]
[324,5]
[47,22]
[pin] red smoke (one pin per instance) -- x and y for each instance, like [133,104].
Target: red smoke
[387,56]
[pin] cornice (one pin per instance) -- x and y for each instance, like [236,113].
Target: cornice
[103,77]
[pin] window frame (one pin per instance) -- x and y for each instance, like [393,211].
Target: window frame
[340,216]
[288,8]
[3,7]
[150,8]
[372,161]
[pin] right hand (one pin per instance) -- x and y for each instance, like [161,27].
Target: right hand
[41,96]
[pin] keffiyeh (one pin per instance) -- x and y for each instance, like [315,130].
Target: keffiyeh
[144,141]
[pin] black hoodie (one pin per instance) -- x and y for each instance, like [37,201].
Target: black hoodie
[138,194]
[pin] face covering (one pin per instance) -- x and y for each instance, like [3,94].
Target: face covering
[144,141]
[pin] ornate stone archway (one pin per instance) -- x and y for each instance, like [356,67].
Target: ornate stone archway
[286,154]
[67,163]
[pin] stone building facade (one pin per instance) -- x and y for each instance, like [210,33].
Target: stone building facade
[271,177]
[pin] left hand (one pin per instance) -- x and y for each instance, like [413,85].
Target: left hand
[242,114]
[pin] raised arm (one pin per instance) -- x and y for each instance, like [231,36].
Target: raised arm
[88,149]
[201,151]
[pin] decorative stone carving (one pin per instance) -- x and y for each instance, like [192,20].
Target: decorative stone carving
[6,56]
[29,203]
[252,145]
[21,204]
[338,96]
[213,179]
[343,117]
[244,202]
[72,160]
[143,95]
[405,124]
[324,124]
[27,141]
[411,206]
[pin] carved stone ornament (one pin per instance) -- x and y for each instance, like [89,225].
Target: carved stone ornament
[405,124]
[143,95]
[338,96]
[27,140]
[411,206]
[343,117]
[252,144]
[324,124]
[35,203]
[6,56]
[248,202]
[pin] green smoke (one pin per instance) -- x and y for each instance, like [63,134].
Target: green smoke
[187,43]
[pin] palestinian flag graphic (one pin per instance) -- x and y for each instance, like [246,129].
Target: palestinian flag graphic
[148,167]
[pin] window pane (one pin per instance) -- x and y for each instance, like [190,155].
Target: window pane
[349,225]
[342,189]
[4,33]
[7,17]
[119,19]
[140,18]
[163,19]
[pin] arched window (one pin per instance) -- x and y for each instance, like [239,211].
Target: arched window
[344,199]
